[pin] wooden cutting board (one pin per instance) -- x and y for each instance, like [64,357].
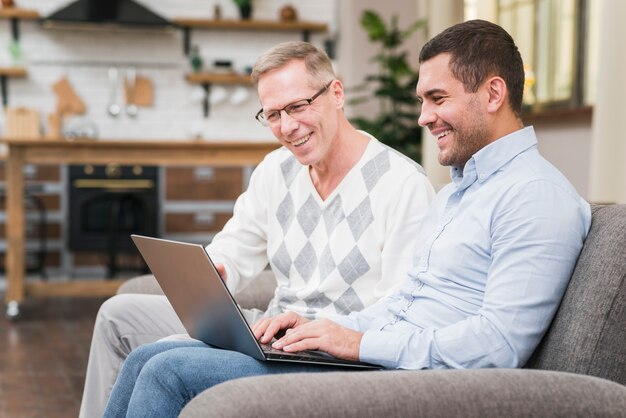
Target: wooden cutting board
[67,99]
[143,94]
[22,123]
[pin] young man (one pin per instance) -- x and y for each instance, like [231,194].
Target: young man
[492,262]
[334,213]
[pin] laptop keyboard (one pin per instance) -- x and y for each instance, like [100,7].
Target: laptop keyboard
[311,356]
[301,355]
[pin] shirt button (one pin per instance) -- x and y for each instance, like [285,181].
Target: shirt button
[482,177]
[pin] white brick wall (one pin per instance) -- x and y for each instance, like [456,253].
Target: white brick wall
[84,56]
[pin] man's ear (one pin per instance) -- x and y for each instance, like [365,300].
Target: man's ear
[497,92]
[337,91]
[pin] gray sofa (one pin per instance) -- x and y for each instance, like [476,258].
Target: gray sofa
[578,370]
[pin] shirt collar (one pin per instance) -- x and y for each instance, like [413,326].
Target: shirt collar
[492,157]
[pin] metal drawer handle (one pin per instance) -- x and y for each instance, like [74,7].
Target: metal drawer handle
[113,184]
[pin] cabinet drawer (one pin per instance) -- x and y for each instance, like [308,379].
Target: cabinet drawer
[36,172]
[52,202]
[203,183]
[53,230]
[201,222]
[53,259]
[98,259]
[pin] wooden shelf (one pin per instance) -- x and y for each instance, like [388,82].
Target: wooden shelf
[581,114]
[206,79]
[187,24]
[15,14]
[18,13]
[5,74]
[267,25]
[13,72]
[218,78]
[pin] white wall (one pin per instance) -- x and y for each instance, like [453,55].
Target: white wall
[567,145]
[85,56]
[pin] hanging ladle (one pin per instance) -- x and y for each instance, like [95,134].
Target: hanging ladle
[114,107]
[131,83]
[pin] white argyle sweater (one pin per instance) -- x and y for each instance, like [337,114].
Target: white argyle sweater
[333,256]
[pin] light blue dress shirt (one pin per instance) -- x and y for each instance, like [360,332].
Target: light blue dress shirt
[491,265]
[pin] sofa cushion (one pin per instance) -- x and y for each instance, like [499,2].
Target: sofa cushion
[588,334]
[483,393]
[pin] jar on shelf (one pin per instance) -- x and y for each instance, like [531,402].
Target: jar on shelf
[195,60]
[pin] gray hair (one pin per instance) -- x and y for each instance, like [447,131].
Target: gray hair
[316,61]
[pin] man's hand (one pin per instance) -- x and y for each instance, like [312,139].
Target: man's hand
[221,270]
[323,335]
[267,328]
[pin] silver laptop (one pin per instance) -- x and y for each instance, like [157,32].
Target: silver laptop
[206,307]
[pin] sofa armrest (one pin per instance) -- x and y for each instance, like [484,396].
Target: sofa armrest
[256,295]
[468,393]
[145,284]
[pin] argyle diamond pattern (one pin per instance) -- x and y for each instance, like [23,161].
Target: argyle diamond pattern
[317,300]
[282,260]
[361,218]
[289,168]
[306,262]
[374,169]
[309,215]
[285,213]
[327,263]
[308,225]
[353,266]
[348,302]
[333,215]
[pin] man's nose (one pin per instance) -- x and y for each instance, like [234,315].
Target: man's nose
[426,116]
[287,123]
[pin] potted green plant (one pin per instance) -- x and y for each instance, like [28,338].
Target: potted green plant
[394,86]
[245,8]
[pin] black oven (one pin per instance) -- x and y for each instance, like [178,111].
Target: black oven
[109,202]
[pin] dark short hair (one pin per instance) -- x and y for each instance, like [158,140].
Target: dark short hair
[478,50]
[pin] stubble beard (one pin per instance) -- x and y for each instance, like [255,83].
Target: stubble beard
[468,139]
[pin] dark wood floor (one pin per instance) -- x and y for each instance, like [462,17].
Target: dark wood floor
[43,356]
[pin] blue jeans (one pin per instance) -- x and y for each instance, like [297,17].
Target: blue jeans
[159,379]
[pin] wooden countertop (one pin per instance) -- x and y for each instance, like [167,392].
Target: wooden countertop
[131,151]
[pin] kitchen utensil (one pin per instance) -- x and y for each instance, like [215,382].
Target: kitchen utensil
[144,91]
[81,128]
[218,95]
[131,84]
[114,107]
[54,126]
[239,96]
[67,99]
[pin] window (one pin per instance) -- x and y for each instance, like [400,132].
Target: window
[558,43]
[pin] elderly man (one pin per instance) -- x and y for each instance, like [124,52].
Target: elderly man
[334,212]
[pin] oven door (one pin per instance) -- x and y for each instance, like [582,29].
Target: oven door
[103,213]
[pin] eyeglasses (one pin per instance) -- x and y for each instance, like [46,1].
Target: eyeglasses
[272,117]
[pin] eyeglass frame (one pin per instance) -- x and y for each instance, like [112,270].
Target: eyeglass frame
[261,118]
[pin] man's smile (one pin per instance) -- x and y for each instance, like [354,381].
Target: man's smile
[301,141]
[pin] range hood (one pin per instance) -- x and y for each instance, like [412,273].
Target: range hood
[109,12]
